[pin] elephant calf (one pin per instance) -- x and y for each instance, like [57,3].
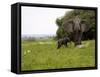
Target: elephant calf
[63,41]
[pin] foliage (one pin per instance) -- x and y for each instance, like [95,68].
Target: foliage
[86,15]
[60,32]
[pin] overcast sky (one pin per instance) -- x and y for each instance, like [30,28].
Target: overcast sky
[39,20]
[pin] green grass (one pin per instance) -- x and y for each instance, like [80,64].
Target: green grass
[39,55]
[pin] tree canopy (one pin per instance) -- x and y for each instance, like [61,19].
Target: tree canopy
[87,15]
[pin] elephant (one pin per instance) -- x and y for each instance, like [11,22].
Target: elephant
[63,41]
[75,28]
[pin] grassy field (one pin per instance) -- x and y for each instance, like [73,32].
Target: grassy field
[37,55]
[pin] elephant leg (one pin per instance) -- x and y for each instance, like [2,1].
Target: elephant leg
[59,45]
[66,44]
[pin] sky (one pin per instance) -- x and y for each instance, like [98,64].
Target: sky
[39,20]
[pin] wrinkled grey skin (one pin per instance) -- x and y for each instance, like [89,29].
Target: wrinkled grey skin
[63,41]
[76,27]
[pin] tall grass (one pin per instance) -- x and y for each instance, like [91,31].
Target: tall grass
[38,55]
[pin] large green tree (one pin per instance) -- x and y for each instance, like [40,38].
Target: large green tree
[87,15]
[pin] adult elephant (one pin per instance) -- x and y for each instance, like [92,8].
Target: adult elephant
[75,28]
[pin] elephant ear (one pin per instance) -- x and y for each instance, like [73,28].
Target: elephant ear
[84,26]
[68,26]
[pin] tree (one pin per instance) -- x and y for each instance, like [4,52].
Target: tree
[87,15]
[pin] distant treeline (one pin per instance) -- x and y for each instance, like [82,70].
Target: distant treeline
[32,38]
[87,15]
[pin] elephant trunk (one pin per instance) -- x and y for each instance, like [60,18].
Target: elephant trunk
[77,37]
